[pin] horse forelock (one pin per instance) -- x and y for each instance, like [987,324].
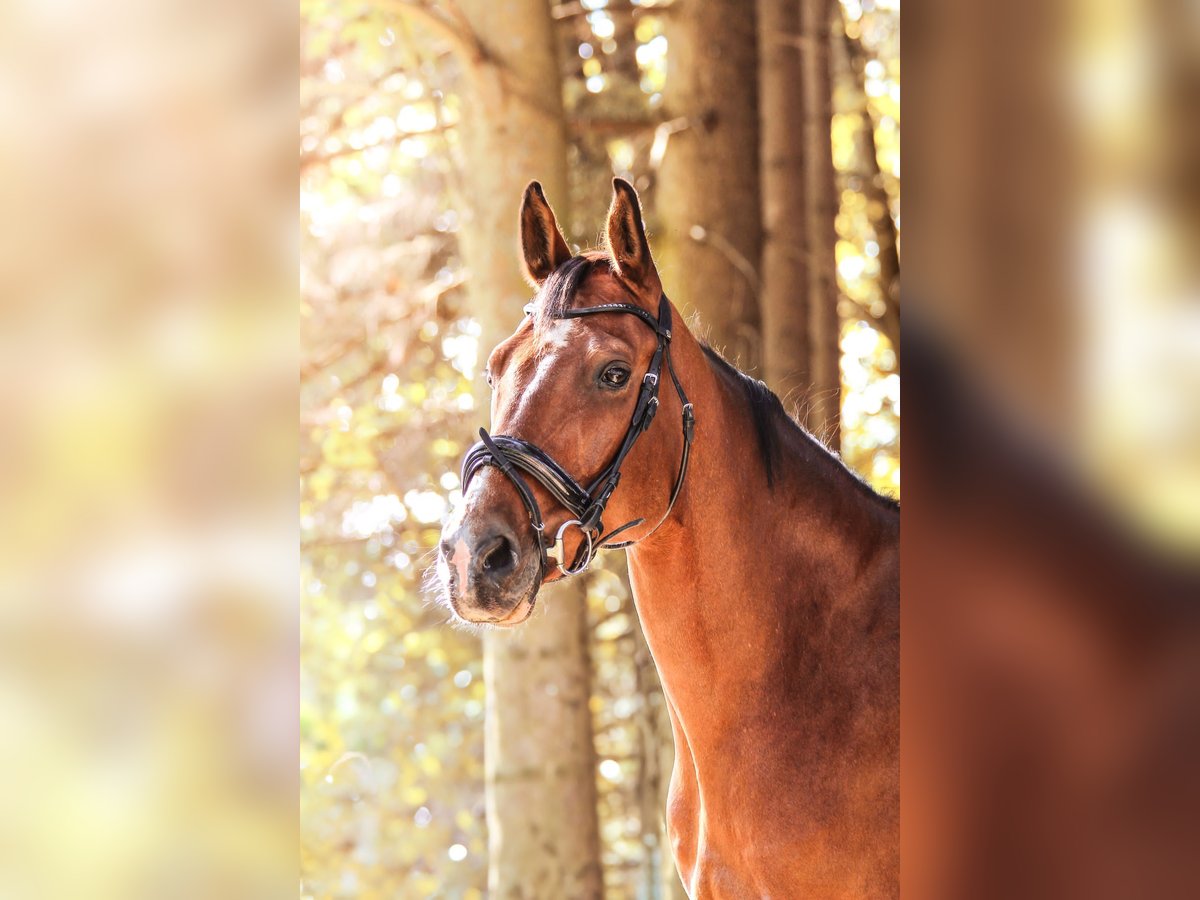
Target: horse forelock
[559,289]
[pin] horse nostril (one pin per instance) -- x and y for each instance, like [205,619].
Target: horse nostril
[498,557]
[446,547]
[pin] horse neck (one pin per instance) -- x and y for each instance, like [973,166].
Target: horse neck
[745,576]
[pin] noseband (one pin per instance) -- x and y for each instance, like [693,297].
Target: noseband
[586,505]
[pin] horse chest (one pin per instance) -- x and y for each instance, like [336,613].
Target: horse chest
[750,828]
[715,859]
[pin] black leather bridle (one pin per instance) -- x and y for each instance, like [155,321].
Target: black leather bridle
[586,505]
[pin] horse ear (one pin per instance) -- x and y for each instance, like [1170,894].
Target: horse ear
[543,248]
[627,235]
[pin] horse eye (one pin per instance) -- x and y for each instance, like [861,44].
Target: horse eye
[614,376]
[488,376]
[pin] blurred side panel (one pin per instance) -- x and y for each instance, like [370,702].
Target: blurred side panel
[148,346]
[1051,536]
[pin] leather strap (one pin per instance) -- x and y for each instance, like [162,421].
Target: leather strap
[510,454]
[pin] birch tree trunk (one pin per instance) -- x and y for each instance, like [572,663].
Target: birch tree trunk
[543,837]
[821,207]
[784,271]
[708,188]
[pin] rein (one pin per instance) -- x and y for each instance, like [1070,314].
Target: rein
[510,454]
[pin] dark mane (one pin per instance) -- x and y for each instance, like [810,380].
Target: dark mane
[770,418]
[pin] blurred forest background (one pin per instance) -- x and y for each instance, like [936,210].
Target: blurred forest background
[764,140]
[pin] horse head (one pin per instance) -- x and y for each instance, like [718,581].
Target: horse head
[572,461]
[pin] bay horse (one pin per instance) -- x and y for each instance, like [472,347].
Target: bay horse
[765,574]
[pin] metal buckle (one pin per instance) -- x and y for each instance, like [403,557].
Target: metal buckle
[559,548]
[650,378]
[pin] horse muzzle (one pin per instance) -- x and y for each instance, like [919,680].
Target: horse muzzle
[489,570]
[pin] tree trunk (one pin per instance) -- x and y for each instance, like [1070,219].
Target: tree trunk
[543,838]
[708,189]
[821,207]
[622,62]
[848,54]
[784,273]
